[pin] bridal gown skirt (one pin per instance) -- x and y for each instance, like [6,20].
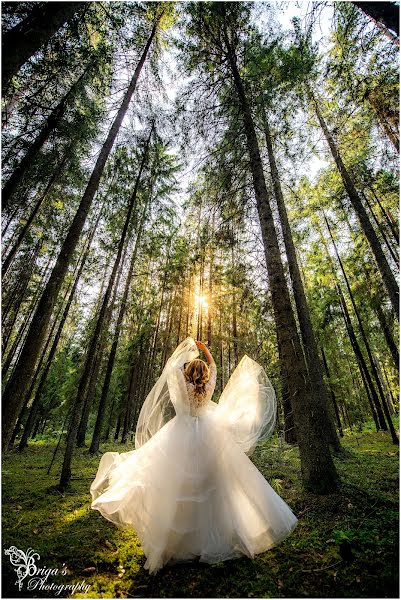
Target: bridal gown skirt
[191,492]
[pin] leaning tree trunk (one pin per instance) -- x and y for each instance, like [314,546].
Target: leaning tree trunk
[318,470]
[385,14]
[304,318]
[35,377]
[384,268]
[24,40]
[30,311]
[12,301]
[96,335]
[363,368]
[51,123]
[19,383]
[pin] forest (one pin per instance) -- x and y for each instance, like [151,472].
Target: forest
[221,170]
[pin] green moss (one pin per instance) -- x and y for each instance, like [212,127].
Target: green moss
[345,544]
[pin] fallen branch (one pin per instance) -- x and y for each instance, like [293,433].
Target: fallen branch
[321,568]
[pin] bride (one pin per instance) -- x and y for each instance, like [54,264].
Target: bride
[189,489]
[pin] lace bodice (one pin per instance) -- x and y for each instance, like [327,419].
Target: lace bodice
[198,406]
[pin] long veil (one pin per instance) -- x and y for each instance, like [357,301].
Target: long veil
[167,397]
[248,405]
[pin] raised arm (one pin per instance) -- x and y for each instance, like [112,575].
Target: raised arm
[205,350]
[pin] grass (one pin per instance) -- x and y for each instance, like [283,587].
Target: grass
[345,544]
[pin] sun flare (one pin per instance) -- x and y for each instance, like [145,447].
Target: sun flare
[201,301]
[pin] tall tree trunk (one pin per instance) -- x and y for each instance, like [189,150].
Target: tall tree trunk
[392,346]
[11,302]
[382,232]
[41,197]
[94,447]
[137,379]
[389,218]
[19,383]
[234,307]
[210,287]
[37,373]
[365,374]
[36,401]
[304,318]
[181,309]
[188,319]
[366,342]
[384,268]
[96,336]
[51,123]
[333,396]
[30,311]
[375,302]
[24,40]
[221,352]
[389,389]
[290,435]
[366,378]
[318,470]
[98,359]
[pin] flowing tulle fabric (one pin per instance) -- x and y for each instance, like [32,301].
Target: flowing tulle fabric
[191,492]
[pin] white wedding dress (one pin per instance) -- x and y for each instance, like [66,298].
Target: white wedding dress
[189,489]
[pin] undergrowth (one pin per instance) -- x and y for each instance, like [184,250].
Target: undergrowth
[345,544]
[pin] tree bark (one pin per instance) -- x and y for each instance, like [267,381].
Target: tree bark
[333,396]
[318,470]
[392,346]
[389,218]
[25,39]
[24,327]
[19,383]
[304,318]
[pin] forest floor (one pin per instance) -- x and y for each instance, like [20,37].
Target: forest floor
[345,544]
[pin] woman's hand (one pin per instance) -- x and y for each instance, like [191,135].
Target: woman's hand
[205,349]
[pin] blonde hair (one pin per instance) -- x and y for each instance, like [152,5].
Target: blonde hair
[197,372]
